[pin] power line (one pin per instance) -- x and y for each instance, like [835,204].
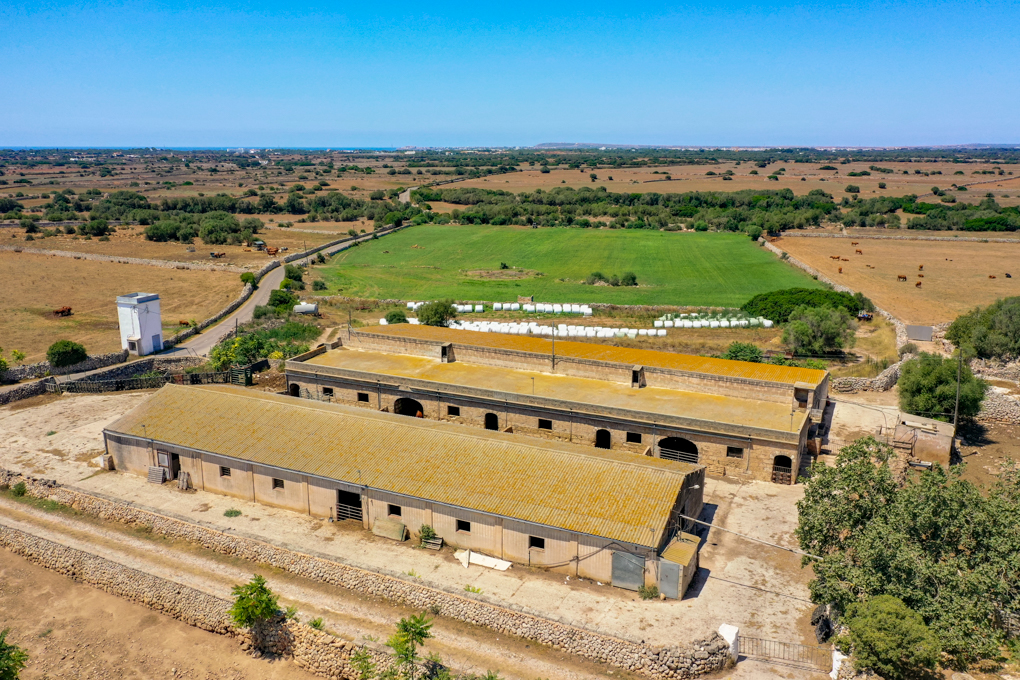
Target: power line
[751,538]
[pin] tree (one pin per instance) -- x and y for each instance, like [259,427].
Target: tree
[411,634]
[891,639]
[852,189]
[29,226]
[991,332]
[928,387]
[248,278]
[754,231]
[293,272]
[743,351]
[819,330]
[12,658]
[438,313]
[254,603]
[396,316]
[95,228]
[65,353]
[363,664]
[282,298]
[628,279]
[394,218]
[593,176]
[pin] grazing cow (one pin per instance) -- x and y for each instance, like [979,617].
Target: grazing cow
[991,276]
[901,277]
[920,267]
[853,243]
[1008,275]
[844,259]
[920,276]
[917,285]
[860,252]
[840,270]
[833,257]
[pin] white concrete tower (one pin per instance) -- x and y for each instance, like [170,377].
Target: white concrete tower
[141,327]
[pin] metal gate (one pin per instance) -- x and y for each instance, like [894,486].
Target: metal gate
[344,511]
[628,570]
[669,579]
[680,456]
[782,475]
[819,657]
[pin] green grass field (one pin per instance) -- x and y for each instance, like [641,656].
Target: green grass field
[460,262]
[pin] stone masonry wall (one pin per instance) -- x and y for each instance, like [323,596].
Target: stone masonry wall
[654,662]
[883,382]
[44,368]
[165,264]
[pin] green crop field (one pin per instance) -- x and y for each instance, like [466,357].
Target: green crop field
[430,262]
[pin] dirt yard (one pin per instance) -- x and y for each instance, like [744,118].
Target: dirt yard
[955,275]
[35,285]
[72,630]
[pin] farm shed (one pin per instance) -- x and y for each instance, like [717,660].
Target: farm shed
[601,515]
[737,418]
[141,326]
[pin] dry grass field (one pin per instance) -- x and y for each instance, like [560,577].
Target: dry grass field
[956,275]
[35,285]
[131,242]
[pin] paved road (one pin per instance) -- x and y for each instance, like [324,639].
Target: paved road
[405,196]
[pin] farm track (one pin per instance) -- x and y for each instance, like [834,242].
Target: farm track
[465,648]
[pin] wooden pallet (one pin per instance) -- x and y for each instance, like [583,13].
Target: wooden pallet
[432,543]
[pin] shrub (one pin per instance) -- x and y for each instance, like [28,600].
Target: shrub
[66,353]
[12,658]
[743,351]
[909,348]
[852,189]
[648,592]
[320,258]
[701,225]
[232,512]
[438,313]
[292,272]
[396,316]
[282,298]
[754,231]
[427,532]
[94,228]
[628,279]
[19,489]
[319,284]
[891,639]
[317,623]
[990,332]
[777,305]
[881,185]
[29,226]
[818,330]
[254,603]
[248,278]
[928,387]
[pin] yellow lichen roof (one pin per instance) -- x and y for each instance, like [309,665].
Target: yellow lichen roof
[682,549]
[618,496]
[596,352]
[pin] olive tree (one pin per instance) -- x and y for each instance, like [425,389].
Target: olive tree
[819,330]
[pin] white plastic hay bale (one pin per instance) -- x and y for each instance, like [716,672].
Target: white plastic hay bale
[479,308]
[696,324]
[743,323]
[529,308]
[631,334]
[410,305]
[766,323]
[661,332]
[557,309]
[383,322]
[642,331]
[724,323]
[589,333]
[413,322]
[668,324]
[575,309]
[620,334]
[659,324]
[515,306]
[713,324]
[497,307]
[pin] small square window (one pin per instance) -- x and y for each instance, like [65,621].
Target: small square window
[633,437]
[224,471]
[536,542]
[363,396]
[393,510]
[734,452]
[453,411]
[277,483]
[464,526]
[544,424]
[327,391]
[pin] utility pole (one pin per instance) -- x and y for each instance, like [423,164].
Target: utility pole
[959,371]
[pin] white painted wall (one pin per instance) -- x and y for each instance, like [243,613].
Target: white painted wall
[140,322]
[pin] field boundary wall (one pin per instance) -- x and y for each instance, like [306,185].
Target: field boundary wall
[98,257]
[701,657]
[897,237]
[44,368]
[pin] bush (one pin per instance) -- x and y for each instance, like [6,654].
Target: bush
[777,305]
[909,348]
[628,279]
[881,185]
[396,316]
[29,226]
[754,231]
[12,658]
[852,189]
[891,639]
[254,603]
[701,225]
[317,623]
[743,351]
[438,313]
[648,592]
[320,258]
[232,512]
[282,298]
[319,284]
[248,278]
[928,387]
[427,533]
[19,489]
[293,273]
[94,228]
[992,332]
[819,330]
[65,353]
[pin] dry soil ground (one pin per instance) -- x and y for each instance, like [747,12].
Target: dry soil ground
[35,285]
[762,591]
[955,276]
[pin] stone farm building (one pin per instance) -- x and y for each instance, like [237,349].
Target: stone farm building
[737,418]
[604,515]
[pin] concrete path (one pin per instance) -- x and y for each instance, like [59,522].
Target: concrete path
[405,196]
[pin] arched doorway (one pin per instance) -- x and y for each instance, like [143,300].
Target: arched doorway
[678,448]
[782,470]
[295,390]
[491,421]
[603,439]
[405,406]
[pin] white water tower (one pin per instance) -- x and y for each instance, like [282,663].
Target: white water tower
[141,326]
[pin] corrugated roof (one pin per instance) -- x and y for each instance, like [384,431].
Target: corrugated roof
[596,352]
[683,548]
[618,496]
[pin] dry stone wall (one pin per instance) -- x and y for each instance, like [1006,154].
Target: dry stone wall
[655,662]
[883,382]
[44,368]
[896,237]
[96,257]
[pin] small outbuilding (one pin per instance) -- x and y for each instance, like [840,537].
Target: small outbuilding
[603,515]
[141,324]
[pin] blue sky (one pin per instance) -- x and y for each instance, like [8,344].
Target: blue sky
[725,72]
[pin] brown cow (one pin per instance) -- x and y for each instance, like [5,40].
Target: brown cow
[920,267]
[901,277]
[840,270]
[844,259]
[183,323]
[833,257]
[917,285]
[991,276]
[860,252]
[853,243]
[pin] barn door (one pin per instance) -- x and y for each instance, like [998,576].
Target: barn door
[628,570]
[669,579]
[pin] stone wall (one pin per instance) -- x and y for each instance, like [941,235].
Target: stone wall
[96,257]
[153,363]
[999,408]
[904,237]
[883,382]
[43,368]
[26,391]
[655,662]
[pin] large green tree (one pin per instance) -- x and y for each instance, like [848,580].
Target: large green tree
[819,330]
[886,636]
[254,603]
[438,313]
[12,658]
[993,331]
[928,387]
[936,543]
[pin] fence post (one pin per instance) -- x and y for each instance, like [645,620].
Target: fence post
[732,635]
